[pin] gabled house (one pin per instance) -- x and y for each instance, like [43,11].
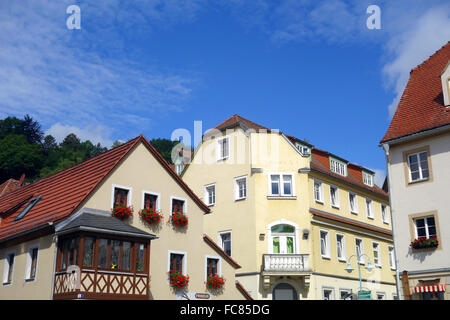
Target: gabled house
[59,240]
[417,148]
[293,215]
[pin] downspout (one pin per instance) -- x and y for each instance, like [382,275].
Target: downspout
[54,266]
[397,276]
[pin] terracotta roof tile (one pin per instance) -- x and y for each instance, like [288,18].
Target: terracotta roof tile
[421,106]
[9,186]
[238,120]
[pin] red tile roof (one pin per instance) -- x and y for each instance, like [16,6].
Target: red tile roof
[219,250]
[320,161]
[421,106]
[238,120]
[64,192]
[9,186]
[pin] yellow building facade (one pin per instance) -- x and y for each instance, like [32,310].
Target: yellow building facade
[260,185]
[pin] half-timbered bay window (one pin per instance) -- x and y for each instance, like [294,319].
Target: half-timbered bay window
[108,257]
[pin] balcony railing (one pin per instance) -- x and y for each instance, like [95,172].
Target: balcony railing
[286,263]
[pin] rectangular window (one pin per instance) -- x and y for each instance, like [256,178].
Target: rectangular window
[418,166]
[353,203]
[324,244]
[369,209]
[241,188]
[102,260]
[210,195]
[88,255]
[281,185]
[381,296]
[150,201]
[9,268]
[327,294]
[340,243]
[223,148]
[33,253]
[359,250]
[176,262]
[177,206]
[391,257]
[120,196]
[338,167]
[334,196]
[384,214]
[318,196]
[126,255]
[115,253]
[225,242]
[376,254]
[345,294]
[425,227]
[368,178]
[212,266]
[140,257]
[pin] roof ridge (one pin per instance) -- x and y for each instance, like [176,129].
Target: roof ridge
[419,66]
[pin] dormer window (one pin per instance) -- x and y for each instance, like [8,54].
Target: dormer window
[368,178]
[304,150]
[445,81]
[338,167]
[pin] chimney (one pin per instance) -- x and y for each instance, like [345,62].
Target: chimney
[22,179]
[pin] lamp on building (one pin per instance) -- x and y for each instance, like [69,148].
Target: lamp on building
[305,234]
[349,268]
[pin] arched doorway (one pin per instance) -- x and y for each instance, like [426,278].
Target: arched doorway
[284,291]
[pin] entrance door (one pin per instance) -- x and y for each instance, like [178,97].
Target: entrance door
[283,244]
[284,291]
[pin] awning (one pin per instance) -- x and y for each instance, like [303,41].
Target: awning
[435,288]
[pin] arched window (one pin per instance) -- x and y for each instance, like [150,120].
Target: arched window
[282,237]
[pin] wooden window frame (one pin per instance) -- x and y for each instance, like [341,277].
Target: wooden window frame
[158,199]
[129,194]
[219,265]
[184,261]
[29,265]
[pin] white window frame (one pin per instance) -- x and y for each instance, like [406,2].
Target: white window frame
[206,194]
[361,255]
[369,209]
[315,181]
[329,289]
[29,261]
[129,195]
[181,199]
[337,202]
[427,232]
[327,244]
[236,188]
[344,255]
[355,209]
[384,213]
[368,178]
[281,193]
[391,257]
[158,199]
[219,149]
[184,261]
[421,178]
[6,267]
[338,167]
[381,294]
[219,265]
[219,240]
[344,290]
[378,250]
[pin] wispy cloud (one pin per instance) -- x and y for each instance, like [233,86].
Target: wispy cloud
[70,76]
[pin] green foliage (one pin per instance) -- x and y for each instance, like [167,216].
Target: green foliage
[164,147]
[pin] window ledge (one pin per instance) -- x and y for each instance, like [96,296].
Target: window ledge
[6,283]
[418,181]
[342,259]
[240,199]
[318,201]
[30,279]
[282,197]
[326,257]
[336,206]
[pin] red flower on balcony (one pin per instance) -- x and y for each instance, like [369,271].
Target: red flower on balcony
[179,219]
[214,281]
[423,243]
[122,211]
[178,280]
[150,215]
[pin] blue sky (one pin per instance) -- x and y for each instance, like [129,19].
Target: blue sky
[309,68]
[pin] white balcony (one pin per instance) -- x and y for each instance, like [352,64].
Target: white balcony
[279,265]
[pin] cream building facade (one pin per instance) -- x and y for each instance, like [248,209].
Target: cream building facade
[260,186]
[417,147]
[35,263]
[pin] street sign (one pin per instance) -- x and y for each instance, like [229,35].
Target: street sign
[364,295]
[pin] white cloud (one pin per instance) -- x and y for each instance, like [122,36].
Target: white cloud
[95,134]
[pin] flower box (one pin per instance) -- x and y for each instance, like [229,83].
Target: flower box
[214,281]
[122,211]
[150,215]
[178,280]
[178,219]
[424,243]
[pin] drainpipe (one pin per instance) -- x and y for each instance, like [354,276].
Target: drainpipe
[54,266]
[397,276]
